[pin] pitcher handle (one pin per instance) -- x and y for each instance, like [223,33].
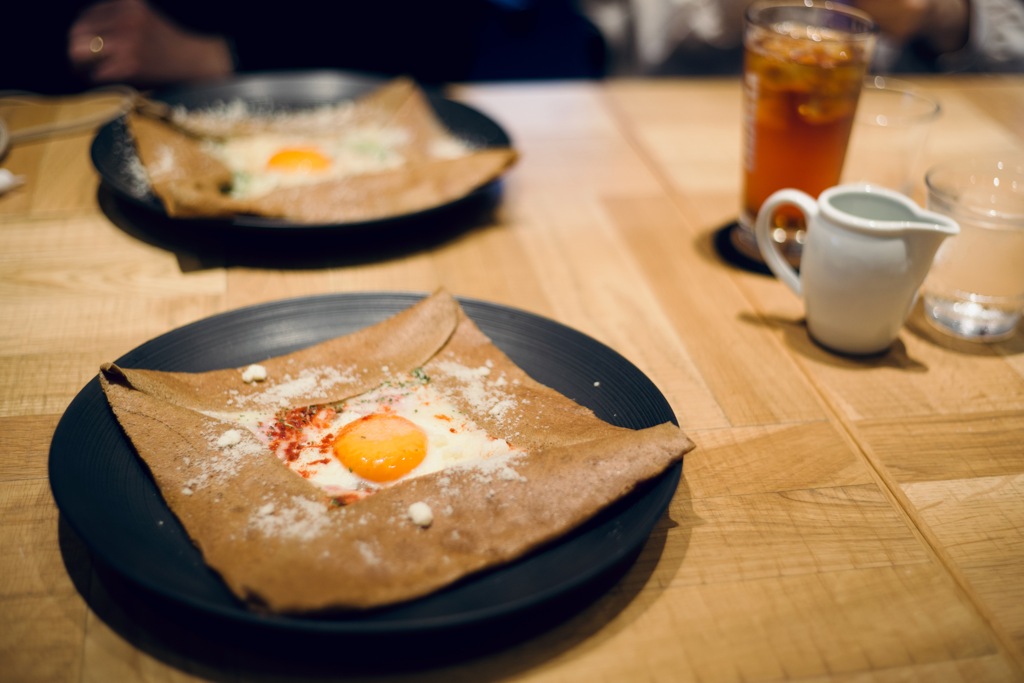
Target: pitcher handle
[766,244]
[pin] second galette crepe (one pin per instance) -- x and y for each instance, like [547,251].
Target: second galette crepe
[279,543]
[427,165]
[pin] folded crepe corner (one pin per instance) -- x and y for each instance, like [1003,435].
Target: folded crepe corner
[280,545]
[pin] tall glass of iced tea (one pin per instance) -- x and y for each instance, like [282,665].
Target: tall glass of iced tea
[804,64]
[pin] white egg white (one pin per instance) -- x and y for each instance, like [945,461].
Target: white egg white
[352,151]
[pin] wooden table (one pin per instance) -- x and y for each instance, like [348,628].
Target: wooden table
[840,519]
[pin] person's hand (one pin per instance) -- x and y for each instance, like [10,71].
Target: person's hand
[944,24]
[127,41]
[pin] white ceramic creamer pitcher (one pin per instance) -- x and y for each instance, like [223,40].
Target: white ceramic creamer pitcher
[868,250]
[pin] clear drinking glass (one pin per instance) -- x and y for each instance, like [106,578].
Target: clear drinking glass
[975,289]
[889,135]
[804,66]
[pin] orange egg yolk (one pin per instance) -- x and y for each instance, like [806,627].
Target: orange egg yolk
[381,447]
[298,160]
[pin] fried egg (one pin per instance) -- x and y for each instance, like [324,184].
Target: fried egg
[400,430]
[263,162]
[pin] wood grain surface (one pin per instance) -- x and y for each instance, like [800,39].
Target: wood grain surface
[841,519]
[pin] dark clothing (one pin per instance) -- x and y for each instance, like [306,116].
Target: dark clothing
[434,42]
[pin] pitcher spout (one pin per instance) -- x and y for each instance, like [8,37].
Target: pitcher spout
[925,236]
[936,225]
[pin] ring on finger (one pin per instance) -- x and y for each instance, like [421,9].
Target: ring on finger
[96,45]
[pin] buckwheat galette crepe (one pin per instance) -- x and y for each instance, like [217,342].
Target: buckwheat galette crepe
[379,466]
[385,154]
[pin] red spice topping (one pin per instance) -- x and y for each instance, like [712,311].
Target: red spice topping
[349,497]
[286,433]
[326,444]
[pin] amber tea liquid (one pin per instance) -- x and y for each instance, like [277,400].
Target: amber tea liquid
[802,81]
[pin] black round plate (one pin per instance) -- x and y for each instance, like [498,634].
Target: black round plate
[114,157]
[105,492]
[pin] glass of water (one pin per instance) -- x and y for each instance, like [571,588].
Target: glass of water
[975,289]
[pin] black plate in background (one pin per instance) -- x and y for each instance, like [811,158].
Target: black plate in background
[107,496]
[114,157]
